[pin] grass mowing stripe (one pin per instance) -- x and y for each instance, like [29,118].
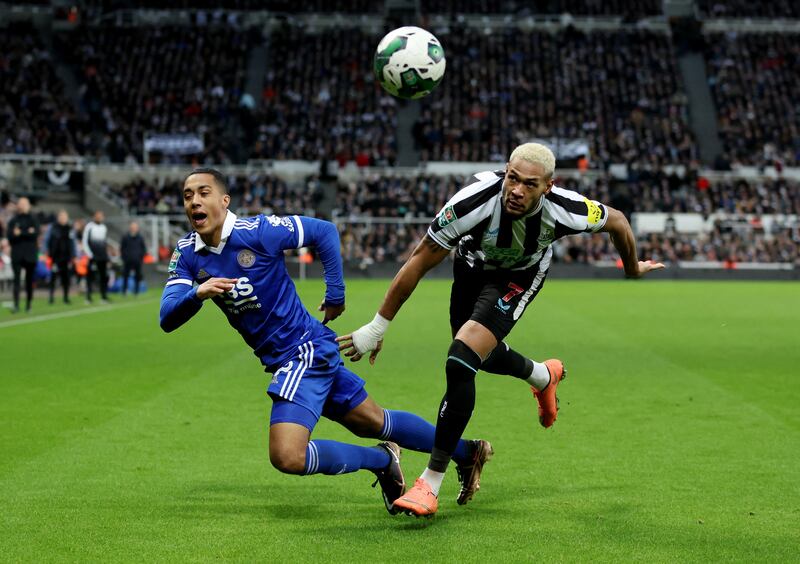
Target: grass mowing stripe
[647,462]
[66,314]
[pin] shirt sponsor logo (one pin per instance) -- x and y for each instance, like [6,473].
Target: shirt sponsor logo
[173,262]
[594,212]
[447,216]
[246,258]
[494,253]
[240,298]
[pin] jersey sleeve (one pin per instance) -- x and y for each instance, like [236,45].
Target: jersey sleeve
[575,212]
[179,270]
[293,232]
[468,207]
[280,233]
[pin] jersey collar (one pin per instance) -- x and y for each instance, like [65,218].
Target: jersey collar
[227,228]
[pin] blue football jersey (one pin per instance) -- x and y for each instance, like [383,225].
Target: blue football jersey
[263,306]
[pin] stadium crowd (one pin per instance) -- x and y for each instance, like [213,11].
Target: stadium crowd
[746,9]
[95,7]
[754,79]
[163,79]
[617,91]
[365,242]
[322,101]
[35,116]
[541,7]
[250,194]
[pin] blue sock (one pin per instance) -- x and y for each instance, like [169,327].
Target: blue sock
[331,457]
[413,432]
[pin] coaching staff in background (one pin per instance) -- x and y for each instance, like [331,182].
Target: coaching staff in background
[23,232]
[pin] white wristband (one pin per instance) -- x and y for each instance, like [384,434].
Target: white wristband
[380,323]
[367,337]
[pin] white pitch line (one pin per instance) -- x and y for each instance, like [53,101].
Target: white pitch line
[74,313]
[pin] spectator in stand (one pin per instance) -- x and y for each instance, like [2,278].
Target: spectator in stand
[494,98]
[135,81]
[36,116]
[60,245]
[132,249]
[754,79]
[322,102]
[95,245]
[23,233]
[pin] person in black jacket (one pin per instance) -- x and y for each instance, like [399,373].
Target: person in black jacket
[23,232]
[61,249]
[132,250]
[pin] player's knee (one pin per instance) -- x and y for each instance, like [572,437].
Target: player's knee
[462,363]
[288,460]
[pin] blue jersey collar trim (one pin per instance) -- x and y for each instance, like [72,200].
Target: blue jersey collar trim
[227,229]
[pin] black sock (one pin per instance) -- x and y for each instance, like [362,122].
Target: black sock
[457,404]
[505,360]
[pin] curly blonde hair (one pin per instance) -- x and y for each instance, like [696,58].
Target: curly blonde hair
[536,153]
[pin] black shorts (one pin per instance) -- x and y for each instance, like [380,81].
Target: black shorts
[495,298]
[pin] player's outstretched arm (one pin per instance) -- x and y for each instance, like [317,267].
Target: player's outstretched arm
[179,304]
[624,240]
[324,237]
[369,338]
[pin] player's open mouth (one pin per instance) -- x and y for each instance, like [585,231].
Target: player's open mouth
[513,206]
[199,219]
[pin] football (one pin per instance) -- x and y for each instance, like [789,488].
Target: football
[409,62]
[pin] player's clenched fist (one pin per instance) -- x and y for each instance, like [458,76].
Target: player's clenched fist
[215,287]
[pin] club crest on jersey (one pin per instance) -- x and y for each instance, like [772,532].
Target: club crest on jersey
[202,274]
[173,262]
[447,216]
[246,258]
[545,236]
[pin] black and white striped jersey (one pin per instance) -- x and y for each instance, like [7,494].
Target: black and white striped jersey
[490,239]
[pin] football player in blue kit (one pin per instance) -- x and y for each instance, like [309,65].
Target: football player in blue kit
[238,263]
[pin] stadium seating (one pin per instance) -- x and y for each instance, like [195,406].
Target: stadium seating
[164,79]
[410,198]
[618,91]
[35,116]
[519,7]
[251,194]
[307,6]
[746,9]
[755,79]
[320,100]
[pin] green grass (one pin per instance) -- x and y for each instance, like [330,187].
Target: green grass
[678,437]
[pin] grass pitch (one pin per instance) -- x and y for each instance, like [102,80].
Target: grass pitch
[678,437]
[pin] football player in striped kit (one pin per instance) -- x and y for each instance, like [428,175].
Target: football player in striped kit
[238,263]
[502,226]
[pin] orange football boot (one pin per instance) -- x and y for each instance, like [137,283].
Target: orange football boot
[548,401]
[418,501]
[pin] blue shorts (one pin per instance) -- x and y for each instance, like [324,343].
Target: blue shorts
[317,381]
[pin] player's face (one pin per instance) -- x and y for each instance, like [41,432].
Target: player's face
[523,185]
[206,206]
